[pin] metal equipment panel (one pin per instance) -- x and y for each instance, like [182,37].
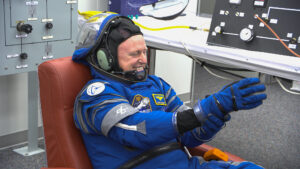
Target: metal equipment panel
[33,31]
[235,24]
[62,21]
[29,15]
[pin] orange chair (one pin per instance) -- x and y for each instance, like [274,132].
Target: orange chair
[60,81]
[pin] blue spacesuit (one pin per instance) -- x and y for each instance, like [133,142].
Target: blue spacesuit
[120,119]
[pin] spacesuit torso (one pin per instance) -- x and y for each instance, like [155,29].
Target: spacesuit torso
[119,121]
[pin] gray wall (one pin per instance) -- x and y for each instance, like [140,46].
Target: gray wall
[268,135]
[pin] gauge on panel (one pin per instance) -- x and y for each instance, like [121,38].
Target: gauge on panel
[246,34]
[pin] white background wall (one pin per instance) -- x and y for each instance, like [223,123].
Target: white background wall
[176,68]
[14,88]
[92,5]
[13,103]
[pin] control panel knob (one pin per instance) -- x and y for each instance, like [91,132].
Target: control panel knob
[27,28]
[246,35]
[219,29]
[49,25]
[23,56]
[293,40]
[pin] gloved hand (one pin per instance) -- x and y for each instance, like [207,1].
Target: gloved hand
[209,128]
[187,120]
[236,96]
[229,165]
[241,95]
[211,113]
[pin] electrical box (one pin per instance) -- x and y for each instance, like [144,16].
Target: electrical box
[33,31]
[235,23]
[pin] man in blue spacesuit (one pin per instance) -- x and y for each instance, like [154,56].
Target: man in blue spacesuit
[129,119]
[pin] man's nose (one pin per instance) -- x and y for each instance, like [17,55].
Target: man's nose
[143,58]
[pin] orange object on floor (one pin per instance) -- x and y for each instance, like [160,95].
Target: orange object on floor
[215,154]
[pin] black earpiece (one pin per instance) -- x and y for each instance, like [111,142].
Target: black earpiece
[104,59]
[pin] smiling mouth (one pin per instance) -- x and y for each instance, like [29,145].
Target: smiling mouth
[140,69]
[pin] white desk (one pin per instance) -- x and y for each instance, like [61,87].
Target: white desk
[277,65]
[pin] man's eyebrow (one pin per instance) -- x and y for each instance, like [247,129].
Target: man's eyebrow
[142,50]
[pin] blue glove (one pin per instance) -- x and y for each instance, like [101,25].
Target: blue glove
[209,128]
[240,95]
[229,165]
[236,96]
[212,112]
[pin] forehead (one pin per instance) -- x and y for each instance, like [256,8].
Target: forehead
[135,42]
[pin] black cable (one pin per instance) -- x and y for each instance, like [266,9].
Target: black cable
[150,154]
[226,68]
[221,68]
[232,74]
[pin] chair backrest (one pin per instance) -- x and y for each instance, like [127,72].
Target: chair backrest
[60,81]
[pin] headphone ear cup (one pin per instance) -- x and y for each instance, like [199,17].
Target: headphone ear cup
[103,60]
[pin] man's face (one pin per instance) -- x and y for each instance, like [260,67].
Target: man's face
[132,54]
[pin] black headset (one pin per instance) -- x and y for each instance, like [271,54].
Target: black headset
[101,58]
[104,57]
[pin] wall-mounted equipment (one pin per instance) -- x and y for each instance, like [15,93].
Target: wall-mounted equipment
[33,31]
[254,24]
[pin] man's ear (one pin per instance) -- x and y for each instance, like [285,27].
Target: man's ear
[104,60]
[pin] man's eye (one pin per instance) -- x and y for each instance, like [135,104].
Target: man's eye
[138,53]
[135,54]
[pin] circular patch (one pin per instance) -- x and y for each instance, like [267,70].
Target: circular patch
[95,88]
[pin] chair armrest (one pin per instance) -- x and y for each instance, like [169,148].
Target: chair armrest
[200,150]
